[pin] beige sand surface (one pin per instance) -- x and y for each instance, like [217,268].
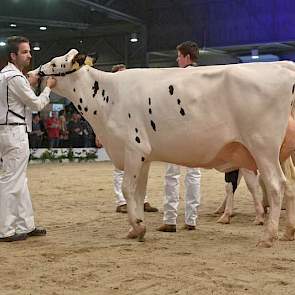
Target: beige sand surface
[86,252]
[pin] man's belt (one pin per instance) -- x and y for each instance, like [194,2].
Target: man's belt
[14,124]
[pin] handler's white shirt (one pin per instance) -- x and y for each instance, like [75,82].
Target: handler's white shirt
[21,98]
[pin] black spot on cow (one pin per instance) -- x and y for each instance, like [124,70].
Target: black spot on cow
[137,139]
[293,89]
[150,101]
[103,92]
[86,109]
[134,176]
[178,101]
[79,108]
[95,112]
[171,89]
[81,100]
[142,159]
[107,99]
[104,98]
[136,130]
[182,112]
[129,115]
[153,125]
[95,88]
[150,111]
[74,89]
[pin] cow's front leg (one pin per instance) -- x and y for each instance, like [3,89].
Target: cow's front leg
[275,182]
[288,168]
[134,188]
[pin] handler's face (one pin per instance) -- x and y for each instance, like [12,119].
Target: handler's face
[23,57]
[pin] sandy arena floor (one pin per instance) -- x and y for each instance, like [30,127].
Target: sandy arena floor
[86,252]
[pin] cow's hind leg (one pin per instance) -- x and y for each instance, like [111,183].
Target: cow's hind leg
[232,180]
[289,197]
[275,181]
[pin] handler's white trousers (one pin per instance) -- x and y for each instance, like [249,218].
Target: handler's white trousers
[118,179]
[192,194]
[16,212]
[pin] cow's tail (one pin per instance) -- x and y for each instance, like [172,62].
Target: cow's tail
[293,102]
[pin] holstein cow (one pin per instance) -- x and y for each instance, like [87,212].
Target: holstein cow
[222,117]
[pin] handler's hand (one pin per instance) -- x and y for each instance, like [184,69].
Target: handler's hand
[33,79]
[51,82]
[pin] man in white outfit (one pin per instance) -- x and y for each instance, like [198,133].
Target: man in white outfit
[187,55]
[17,101]
[118,175]
[120,200]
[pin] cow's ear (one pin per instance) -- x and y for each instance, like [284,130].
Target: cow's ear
[89,61]
[81,59]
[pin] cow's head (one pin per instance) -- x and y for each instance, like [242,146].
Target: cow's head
[63,65]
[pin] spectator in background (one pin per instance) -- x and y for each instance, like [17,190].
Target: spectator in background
[88,135]
[53,130]
[36,135]
[75,131]
[64,133]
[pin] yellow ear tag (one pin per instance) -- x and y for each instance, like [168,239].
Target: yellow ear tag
[88,61]
[75,66]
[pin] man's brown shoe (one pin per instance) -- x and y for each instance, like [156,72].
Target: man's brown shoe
[189,227]
[122,208]
[149,208]
[168,228]
[14,238]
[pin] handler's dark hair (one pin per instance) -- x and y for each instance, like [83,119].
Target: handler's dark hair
[12,45]
[189,48]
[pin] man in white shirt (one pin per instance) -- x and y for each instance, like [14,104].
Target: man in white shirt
[119,174]
[187,54]
[17,101]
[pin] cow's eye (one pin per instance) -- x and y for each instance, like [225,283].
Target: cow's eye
[53,65]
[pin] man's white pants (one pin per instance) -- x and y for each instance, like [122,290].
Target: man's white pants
[118,179]
[192,194]
[16,212]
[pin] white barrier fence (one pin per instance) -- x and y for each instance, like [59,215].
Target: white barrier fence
[68,155]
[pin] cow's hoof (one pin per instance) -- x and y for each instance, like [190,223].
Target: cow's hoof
[259,221]
[224,219]
[132,234]
[288,235]
[219,211]
[141,230]
[138,233]
[264,244]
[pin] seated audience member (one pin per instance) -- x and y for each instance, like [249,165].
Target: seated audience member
[64,133]
[75,129]
[36,135]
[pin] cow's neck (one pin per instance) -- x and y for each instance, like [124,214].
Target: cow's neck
[87,90]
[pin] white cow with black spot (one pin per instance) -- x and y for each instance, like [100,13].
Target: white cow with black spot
[222,117]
